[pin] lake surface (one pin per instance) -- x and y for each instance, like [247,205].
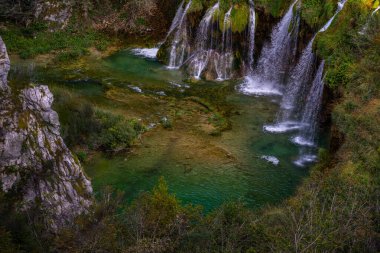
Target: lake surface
[243,163]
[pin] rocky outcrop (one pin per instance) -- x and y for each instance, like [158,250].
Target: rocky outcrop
[56,13]
[35,163]
[4,66]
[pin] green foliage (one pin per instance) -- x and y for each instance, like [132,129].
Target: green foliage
[167,123]
[85,126]
[100,230]
[196,6]
[230,228]
[6,244]
[36,40]
[352,57]
[275,8]
[239,17]
[82,155]
[330,213]
[317,12]
[116,133]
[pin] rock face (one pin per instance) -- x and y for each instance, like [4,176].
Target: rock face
[35,163]
[56,13]
[4,66]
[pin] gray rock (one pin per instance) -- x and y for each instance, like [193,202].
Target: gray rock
[34,157]
[4,66]
[56,13]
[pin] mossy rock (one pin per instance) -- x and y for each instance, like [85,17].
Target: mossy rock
[196,6]
[239,17]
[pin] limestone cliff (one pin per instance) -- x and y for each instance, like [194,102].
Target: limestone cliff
[35,163]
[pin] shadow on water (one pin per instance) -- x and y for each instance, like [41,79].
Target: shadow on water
[199,168]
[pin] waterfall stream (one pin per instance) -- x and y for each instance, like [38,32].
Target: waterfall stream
[277,54]
[297,87]
[204,44]
[180,43]
[269,75]
[252,30]
[307,135]
[177,18]
[213,54]
[301,102]
[223,60]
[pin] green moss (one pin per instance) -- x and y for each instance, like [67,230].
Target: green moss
[239,17]
[275,8]
[196,6]
[23,121]
[317,12]
[31,42]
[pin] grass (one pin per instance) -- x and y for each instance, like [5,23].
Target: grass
[37,40]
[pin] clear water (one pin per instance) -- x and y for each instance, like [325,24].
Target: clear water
[199,168]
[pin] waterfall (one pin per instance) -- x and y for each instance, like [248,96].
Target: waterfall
[180,41]
[277,54]
[177,18]
[200,58]
[307,135]
[252,29]
[223,60]
[275,57]
[311,111]
[341,4]
[300,78]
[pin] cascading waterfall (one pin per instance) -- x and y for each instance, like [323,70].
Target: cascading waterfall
[180,42]
[307,135]
[252,30]
[290,117]
[275,57]
[223,60]
[200,58]
[277,54]
[300,78]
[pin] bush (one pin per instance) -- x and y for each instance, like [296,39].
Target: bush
[83,125]
[116,133]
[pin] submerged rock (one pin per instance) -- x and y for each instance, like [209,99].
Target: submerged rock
[35,163]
